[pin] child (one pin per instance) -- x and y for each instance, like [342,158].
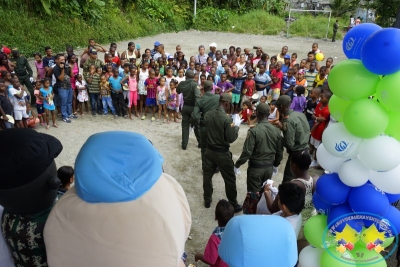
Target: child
[169,76]
[224,85]
[321,116]
[249,87]
[117,95]
[315,49]
[225,53]
[143,74]
[157,72]
[291,203]
[32,120]
[293,60]
[277,77]
[289,82]
[105,96]
[262,79]
[18,98]
[109,71]
[162,95]
[132,98]
[93,81]
[180,77]
[299,101]
[311,105]
[300,81]
[66,175]
[5,107]
[82,93]
[39,102]
[223,213]
[273,117]
[310,76]
[47,95]
[40,69]
[328,65]
[173,102]
[238,83]
[320,78]
[234,71]
[246,112]
[151,88]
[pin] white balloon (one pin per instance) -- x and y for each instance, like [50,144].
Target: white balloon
[381,153]
[328,161]
[310,257]
[339,142]
[353,173]
[388,182]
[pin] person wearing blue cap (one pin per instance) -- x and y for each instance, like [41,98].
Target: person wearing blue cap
[155,50]
[117,213]
[286,63]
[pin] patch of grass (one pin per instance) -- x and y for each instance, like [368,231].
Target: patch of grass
[256,22]
[31,34]
[314,26]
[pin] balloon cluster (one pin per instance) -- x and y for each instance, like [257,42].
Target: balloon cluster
[362,153]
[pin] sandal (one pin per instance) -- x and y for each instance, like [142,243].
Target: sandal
[55,125]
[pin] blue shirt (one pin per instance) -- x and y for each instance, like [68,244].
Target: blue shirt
[285,68]
[115,83]
[288,82]
[220,70]
[262,79]
[238,83]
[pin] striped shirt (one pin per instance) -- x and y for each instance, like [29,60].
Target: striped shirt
[94,85]
[310,77]
[151,86]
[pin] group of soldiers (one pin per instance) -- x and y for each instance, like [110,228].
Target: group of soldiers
[215,130]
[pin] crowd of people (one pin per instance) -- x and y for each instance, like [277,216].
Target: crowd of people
[282,95]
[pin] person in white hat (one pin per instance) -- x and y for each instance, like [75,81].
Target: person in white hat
[213,50]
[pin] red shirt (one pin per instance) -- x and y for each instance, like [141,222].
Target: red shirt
[211,252]
[320,111]
[249,85]
[279,75]
[246,114]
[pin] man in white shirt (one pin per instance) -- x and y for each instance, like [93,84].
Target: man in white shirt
[213,51]
[201,57]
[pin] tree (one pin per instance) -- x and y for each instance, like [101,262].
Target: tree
[385,11]
[397,22]
[343,7]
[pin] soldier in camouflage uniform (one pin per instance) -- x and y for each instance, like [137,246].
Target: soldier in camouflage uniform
[296,132]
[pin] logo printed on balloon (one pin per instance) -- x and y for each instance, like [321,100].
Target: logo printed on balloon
[341,146]
[350,43]
[365,245]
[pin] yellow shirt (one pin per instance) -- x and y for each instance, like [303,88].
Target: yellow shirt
[319,81]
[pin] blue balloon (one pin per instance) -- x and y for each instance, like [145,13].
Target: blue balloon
[391,220]
[392,198]
[380,52]
[331,190]
[255,240]
[344,210]
[355,38]
[321,206]
[368,199]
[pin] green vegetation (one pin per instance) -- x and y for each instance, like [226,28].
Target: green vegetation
[32,24]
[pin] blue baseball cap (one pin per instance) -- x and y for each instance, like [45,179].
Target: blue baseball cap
[286,56]
[157,43]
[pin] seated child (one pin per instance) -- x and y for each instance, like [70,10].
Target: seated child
[291,199]
[67,177]
[299,101]
[273,117]
[246,112]
[223,213]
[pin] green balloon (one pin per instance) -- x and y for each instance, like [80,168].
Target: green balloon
[314,231]
[333,258]
[393,128]
[364,257]
[366,118]
[388,92]
[350,80]
[337,107]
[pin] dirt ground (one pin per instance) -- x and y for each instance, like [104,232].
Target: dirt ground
[185,166]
